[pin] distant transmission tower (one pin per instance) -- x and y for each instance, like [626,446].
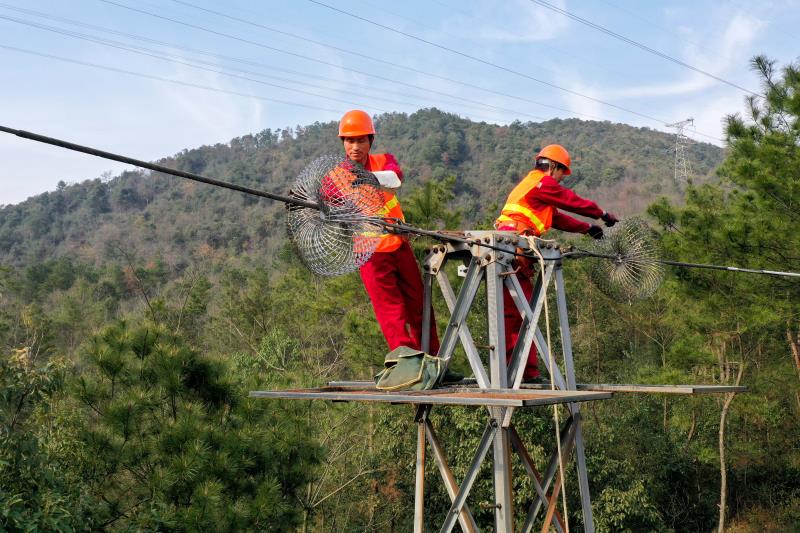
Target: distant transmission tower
[682,167]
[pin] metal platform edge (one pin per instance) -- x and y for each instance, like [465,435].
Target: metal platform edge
[480,397]
[600,387]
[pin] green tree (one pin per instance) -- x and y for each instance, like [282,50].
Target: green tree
[34,494]
[428,205]
[176,444]
[748,323]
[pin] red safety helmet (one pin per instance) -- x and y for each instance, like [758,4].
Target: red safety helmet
[557,153]
[356,123]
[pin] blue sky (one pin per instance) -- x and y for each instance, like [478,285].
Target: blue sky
[253,65]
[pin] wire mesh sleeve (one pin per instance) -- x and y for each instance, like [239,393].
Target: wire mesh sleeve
[634,272]
[342,234]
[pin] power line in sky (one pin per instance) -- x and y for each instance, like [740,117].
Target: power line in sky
[586,64]
[173,59]
[637,44]
[326,45]
[206,87]
[159,78]
[648,21]
[178,60]
[333,65]
[483,61]
[497,66]
[358,54]
[140,38]
[149,52]
[316,60]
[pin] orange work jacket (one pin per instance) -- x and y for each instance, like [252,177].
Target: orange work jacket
[519,213]
[391,208]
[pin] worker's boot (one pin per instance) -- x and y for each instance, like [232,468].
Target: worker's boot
[451,376]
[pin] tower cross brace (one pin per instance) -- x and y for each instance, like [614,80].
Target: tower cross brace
[496,270]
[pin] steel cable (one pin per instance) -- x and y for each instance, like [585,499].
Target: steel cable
[336,219]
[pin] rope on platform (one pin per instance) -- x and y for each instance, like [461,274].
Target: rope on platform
[557,425]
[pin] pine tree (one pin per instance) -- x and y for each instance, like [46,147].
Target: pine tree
[175,444]
[748,323]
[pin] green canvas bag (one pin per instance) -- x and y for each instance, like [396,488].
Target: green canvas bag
[408,369]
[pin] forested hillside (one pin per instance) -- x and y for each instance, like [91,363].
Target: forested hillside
[182,222]
[136,313]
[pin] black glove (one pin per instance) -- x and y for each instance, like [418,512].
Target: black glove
[609,219]
[595,232]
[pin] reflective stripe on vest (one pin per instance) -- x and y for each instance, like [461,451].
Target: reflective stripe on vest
[520,213]
[391,208]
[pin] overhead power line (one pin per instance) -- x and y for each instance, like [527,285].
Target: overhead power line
[637,44]
[206,87]
[173,59]
[494,65]
[312,59]
[363,73]
[256,43]
[218,69]
[586,64]
[262,65]
[636,15]
[484,61]
[159,78]
[416,23]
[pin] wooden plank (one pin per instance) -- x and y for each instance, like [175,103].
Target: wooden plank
[463,396]
[607,387]
[663,389]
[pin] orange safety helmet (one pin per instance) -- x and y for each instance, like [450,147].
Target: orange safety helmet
[557,153]
[356,123]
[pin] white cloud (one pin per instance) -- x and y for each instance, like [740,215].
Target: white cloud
[718,58]
[709,116]
[517,21]
[584,107]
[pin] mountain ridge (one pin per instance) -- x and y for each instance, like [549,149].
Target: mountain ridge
[622,167]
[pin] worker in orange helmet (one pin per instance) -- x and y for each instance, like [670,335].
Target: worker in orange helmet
[391,276]
[532,208]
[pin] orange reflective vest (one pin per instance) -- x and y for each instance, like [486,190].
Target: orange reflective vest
[519,213]
[391,208]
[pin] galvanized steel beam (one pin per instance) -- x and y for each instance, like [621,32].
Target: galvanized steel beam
[465,518]
[473,356]
[469,479]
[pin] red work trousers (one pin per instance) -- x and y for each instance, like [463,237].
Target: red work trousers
[394,286]
[513,321]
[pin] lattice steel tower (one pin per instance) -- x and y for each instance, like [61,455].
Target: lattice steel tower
[682,166]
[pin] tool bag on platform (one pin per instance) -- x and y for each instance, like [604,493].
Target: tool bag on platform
[408,369]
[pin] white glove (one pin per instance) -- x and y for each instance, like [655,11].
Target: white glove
[388,179]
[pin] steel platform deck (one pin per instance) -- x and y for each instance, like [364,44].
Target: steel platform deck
[443,396]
